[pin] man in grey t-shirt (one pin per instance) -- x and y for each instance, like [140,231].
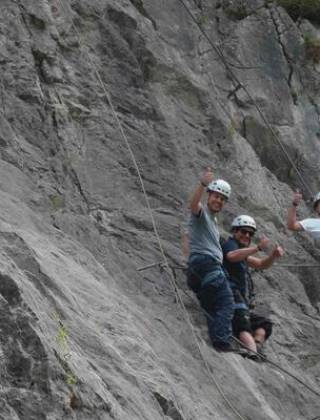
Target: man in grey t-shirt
[206,276]
[310,225]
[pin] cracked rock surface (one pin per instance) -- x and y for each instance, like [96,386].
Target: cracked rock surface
[84,335]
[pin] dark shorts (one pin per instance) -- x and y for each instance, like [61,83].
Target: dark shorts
[244,320]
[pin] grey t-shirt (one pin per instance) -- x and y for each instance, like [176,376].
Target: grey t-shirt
[204,235]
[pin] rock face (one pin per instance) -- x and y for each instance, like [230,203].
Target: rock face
[84,335]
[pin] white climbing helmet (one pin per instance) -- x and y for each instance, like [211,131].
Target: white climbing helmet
[316,200]
[220,186]
[244,221]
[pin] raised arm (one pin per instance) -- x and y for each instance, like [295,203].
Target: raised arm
[292,222]
[195,202]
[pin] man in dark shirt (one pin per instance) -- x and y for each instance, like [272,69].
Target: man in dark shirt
[238,252]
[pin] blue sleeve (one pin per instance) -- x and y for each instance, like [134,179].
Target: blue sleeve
[228,246]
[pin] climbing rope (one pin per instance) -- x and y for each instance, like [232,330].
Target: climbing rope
[298,265]
[262,356]
[240,85]
[184,267]
[278,366]
[165,261]
[165,264]
[258,354]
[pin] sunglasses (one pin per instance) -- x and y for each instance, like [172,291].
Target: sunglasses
[247,232]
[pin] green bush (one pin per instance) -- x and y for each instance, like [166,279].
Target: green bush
[57,202]
[203,20]
[312,49]
[309,9]
[237,11]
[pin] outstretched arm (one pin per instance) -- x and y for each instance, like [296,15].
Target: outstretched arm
[195,202]
[292,222]
[262,263]
[243,253]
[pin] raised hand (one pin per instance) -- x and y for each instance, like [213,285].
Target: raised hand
[277,251]
[207,177]
[297,197]
[263,243]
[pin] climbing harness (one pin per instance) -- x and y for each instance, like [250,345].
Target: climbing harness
[251,291]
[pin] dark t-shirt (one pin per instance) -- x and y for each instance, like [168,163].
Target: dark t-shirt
[238,271]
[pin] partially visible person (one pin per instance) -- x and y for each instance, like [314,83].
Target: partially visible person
[251,328]
[206,275]
[310,225]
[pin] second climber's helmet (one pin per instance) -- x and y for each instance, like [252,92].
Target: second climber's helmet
[244,221]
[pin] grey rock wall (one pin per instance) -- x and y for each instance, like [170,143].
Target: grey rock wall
[84,335]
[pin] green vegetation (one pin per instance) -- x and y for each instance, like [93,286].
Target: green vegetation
[75,114]
[62,337]
[71,379]
[312,48]
[232,129]
[309,9]
[203,20]
[63,346]
[57,202]
[237,11]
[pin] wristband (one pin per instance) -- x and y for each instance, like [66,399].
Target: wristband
[258,248]
[203,184]
[294,204]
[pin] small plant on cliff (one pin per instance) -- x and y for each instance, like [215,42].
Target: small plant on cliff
[63,346]
[62,337]
[309,9]
[236,10]
[203,20]
[71,379]
[312,48]
[57,202]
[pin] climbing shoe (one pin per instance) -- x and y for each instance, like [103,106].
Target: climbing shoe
[230,348]
[254,356]
[261,352]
